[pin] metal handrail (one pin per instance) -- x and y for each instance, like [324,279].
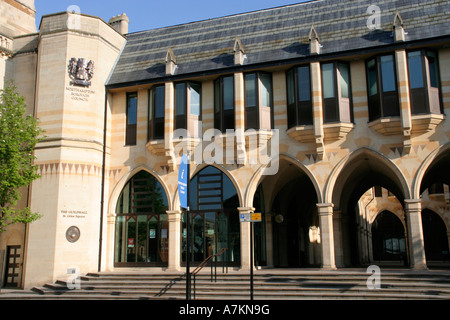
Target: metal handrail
[208,259]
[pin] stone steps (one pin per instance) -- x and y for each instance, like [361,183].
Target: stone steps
[268,285]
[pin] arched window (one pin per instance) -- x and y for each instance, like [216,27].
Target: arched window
[434,236]
[388,238]
[215,219]
[141,225]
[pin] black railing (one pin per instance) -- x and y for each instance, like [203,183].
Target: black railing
[212,259]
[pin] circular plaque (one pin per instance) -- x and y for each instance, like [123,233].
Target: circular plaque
[279,218]
[73,234]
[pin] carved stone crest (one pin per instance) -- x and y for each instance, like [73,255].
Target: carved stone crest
[81,71]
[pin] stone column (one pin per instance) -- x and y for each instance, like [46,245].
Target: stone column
[403,96]
[169,123]
[413,210]
[239,101]
[174,218]
[110,243]
[316,87]
[245,239]
[327,235]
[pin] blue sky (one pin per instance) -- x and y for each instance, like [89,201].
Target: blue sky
[150,14]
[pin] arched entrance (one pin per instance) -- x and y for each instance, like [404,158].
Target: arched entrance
[295,220]
[215,218]
[432,183]
[388,238]
[289,236]
[361,171]
[141,235]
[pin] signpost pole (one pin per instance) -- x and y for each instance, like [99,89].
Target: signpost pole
[183,193]
[251,260]
[188,234]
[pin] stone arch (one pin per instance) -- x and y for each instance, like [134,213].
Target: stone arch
[381,210]
[117,190]
[350,179]
[375,162]
[176,199]
[439,158]
[392,233]
[259,176]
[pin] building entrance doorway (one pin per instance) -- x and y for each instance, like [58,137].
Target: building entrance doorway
[295,226]
[214,218]
[142,228]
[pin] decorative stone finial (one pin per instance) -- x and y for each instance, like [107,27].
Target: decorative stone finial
[314,41]
[239,52]
[171,62]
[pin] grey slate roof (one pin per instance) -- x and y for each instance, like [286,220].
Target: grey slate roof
[275,34]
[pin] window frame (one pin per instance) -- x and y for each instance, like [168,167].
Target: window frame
[155,123]
[131,129]
[297,108]
[256,112]
[335,105]
[219,112]
[379,102]
[421,98]
[183,121]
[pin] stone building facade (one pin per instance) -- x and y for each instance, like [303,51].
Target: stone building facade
[327,117]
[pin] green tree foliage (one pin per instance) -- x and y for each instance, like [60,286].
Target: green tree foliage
[19,134]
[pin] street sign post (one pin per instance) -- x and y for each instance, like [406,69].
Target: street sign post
[252,218]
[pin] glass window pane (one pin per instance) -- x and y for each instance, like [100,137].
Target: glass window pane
[121,243]
[217,96]
[180,99]
[151,105]
[433,67]
[131,240]
[159,102]
[415,69]
[345,80]
[250,90]
[228,93]
[132,109]
[372,77]
[266,90]
[141,239]
[387,73]
[328,80]
[290,87]
[195,99]
[304,85]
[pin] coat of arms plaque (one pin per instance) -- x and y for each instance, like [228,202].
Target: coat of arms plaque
[81,71]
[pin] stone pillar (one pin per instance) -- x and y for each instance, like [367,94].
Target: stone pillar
[413,210]
[169,124]
[110,243]
[239,101]
[403,96]
[245,239]
[317,102]
[327,235]
[174,218]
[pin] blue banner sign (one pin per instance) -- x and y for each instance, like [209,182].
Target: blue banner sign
[183,182]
